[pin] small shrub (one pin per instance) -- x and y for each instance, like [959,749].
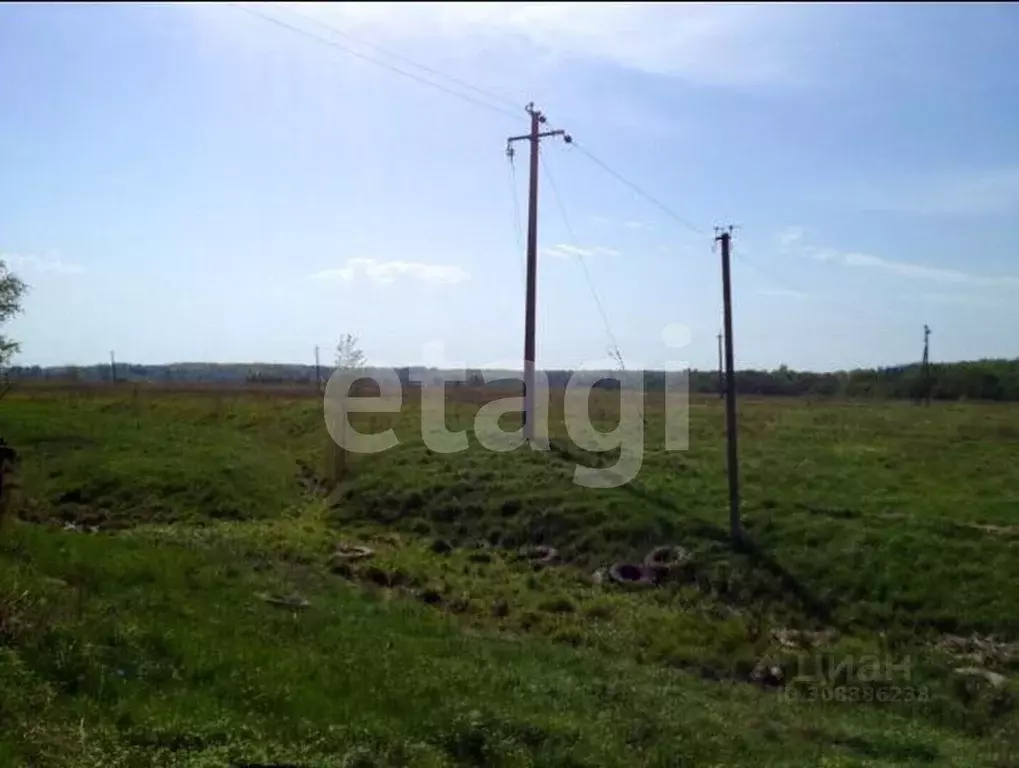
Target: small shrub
[600,611]
[441,547]
[569,635]
[510,507]
[558,605]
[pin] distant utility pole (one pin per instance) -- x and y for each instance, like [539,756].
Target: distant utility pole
[732,463]
[535,137]
[318,372]
[926,367]
[113,368]
[721,372]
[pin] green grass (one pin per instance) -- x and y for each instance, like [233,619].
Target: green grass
[148,643]
[873,510]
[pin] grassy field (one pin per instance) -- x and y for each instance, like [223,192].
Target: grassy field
[197,614]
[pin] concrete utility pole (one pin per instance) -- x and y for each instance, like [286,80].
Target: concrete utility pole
[318,372]
[721,372]
[736,530]
[926,368]
[535,137]
[113,369]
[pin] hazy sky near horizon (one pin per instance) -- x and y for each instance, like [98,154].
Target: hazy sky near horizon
[191,182]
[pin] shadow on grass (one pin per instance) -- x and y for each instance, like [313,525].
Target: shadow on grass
[812,605]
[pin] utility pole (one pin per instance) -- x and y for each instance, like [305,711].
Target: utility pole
[926,368]
[721,372]
[732,462]
[113,369]
[318,372]
[535,137]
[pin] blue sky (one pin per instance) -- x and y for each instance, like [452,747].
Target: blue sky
[192,183]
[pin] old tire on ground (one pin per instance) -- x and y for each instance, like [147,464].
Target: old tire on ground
[351,552]
[630,575]
[540,554]
[667,556]
[664,561]
[284,601]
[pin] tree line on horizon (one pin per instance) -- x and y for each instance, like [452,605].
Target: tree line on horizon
[987,379]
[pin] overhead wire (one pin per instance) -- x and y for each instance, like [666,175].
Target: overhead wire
[646,195]
[517,221]
[406,59]
[365,57]
[431,70]
[768,274]
[502,110]
[583,264]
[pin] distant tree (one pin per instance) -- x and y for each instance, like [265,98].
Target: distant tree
[617,357]
[12,289]
[351,359]
[349,356]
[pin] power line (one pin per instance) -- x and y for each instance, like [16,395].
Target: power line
[424,81]
[365,57]
[399,57]
[517,222]
[647,196]
[478,102]
[580,258]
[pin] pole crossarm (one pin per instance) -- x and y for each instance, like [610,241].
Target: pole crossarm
[544,134]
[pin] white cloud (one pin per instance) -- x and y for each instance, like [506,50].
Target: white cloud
[822,254]
[784,293]
[967,193]
[625,223]
[761,42]
[924,272]
[47,263]
[564,251]
[957,298]
[791,242]
[390,271]
[789,237]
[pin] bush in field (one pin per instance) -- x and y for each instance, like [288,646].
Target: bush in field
[11,291]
